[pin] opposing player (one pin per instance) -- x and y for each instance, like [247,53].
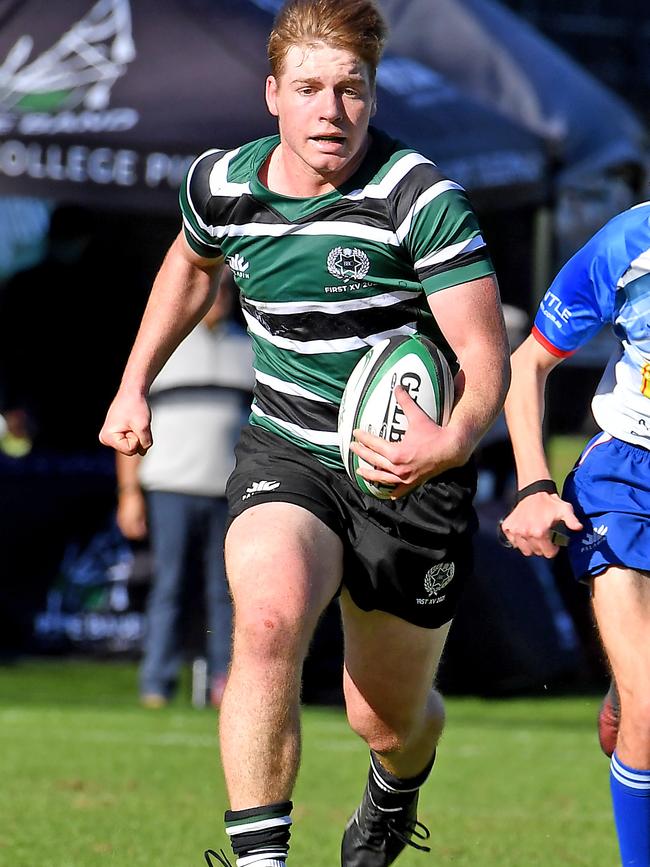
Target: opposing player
[338,236]
[606,499]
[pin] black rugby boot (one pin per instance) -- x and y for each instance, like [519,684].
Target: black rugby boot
[374,837]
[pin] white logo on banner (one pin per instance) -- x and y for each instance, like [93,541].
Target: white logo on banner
[65,91]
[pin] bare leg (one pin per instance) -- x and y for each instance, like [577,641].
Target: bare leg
[284,565]
[621,599]
[388,681]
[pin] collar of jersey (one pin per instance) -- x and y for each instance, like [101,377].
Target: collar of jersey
[296,207]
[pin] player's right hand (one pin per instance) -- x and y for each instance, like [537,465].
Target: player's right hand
[127,427]
[529,527]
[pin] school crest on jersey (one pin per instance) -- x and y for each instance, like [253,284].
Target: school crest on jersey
[348,263]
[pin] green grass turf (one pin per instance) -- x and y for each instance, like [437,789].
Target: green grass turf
[563,451]
[89,778]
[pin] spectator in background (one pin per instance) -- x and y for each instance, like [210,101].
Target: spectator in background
[176,492]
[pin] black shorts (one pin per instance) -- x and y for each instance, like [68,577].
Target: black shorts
[410,557]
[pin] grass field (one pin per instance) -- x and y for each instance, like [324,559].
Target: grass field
[89,778]
[563,452]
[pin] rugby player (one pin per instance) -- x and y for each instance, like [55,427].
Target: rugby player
[605,503]
[338,236]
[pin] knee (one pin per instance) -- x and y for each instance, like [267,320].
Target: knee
[268,634]
[392,729]
[383,736]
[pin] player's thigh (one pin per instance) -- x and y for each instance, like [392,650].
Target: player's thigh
[282,563]
[621,601]
[390,664]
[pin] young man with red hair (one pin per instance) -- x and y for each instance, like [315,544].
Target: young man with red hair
[338,237]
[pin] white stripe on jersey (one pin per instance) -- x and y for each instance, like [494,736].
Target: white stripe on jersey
[190,229]
[289,307]
[322,227]
[318,437]
[285,387]
[392,178]
[219,184]
[315,347]
[450,252]
[637,268]
[422,201]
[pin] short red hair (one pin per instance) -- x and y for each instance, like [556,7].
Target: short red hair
[353,25]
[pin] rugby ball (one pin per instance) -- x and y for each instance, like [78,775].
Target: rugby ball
[369,402]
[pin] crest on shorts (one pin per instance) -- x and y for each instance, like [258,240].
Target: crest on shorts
[348,263]
[438,577]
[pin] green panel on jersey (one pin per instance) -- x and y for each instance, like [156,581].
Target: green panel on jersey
[456,276]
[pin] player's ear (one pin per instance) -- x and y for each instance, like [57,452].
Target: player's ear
[271,94]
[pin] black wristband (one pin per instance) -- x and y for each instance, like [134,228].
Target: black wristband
[543,486]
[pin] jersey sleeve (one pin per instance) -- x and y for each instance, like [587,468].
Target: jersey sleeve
[579,301]
[441,235]
[195,200]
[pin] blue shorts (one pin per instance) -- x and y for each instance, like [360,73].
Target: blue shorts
[609,489]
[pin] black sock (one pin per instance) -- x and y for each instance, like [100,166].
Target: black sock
[389,792]
[260,832]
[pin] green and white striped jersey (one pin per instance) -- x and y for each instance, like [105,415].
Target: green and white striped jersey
[324,278]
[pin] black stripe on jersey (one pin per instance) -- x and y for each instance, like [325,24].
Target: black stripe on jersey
[367,212]
[222,210]
[245,209]
[333,326]
[459,262]
[198,188]
[218,211]
[402,197]
[240,211]
[310,414]
[199,185]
